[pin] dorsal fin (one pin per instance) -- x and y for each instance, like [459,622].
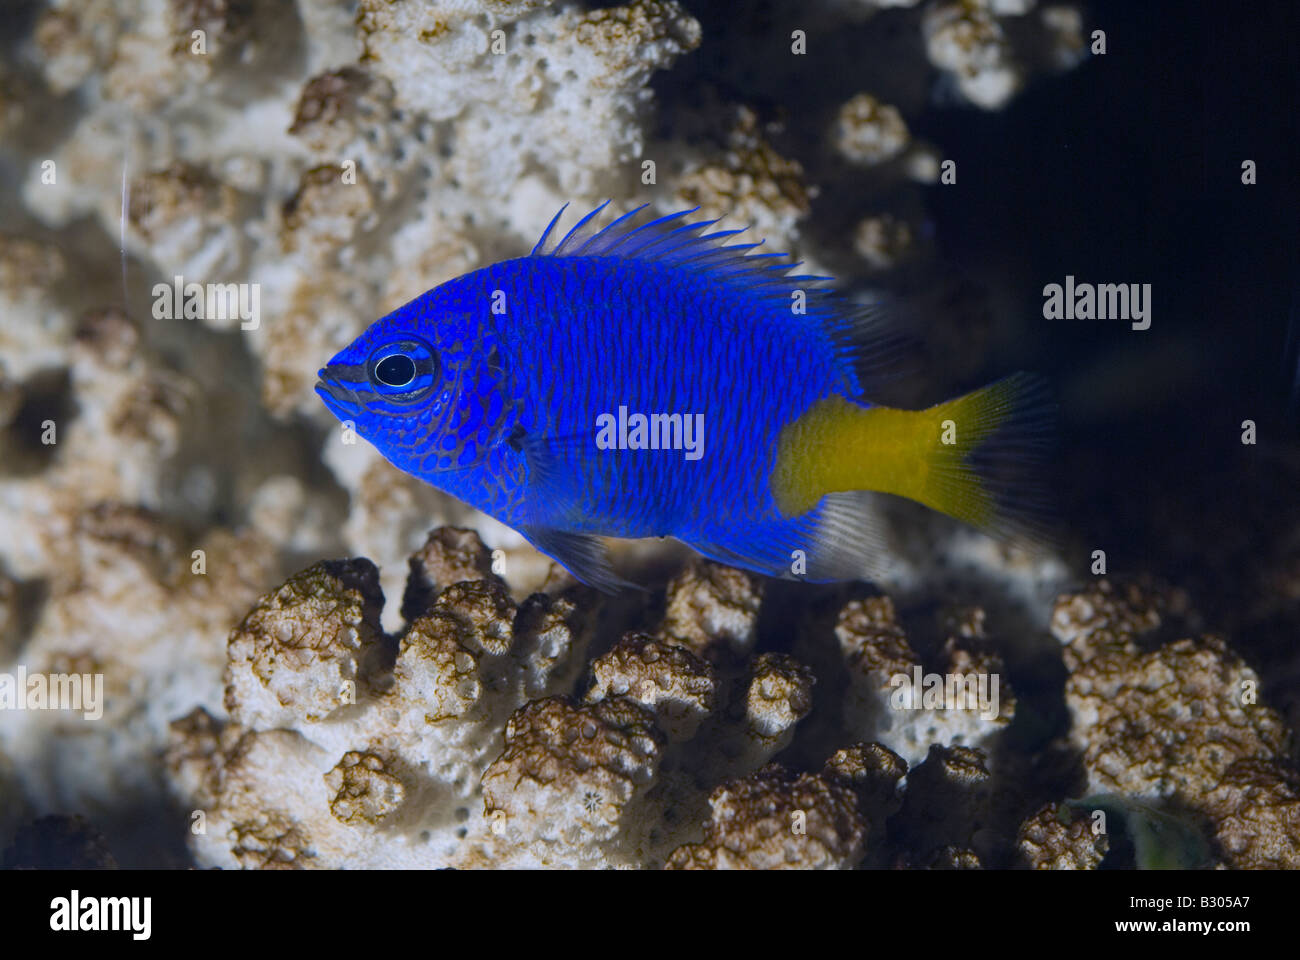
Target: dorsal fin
[866,336]
[664,240]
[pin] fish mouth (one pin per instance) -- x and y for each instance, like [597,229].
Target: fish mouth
[333,388]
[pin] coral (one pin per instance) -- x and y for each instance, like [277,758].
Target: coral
[450,555]
[1256,812]
[779,695]
[869,132]
[363,789]
[676,685]
[882,241]
[460,740]
[298,654]
[396,734]
[475,65]
[1179,723]
[564,785]
[1058,837]
[712,610]
[970,41]
[774,820]
[752,182]
[884,702]
[392,733]
[154,662]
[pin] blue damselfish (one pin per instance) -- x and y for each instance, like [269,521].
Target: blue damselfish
[649,379]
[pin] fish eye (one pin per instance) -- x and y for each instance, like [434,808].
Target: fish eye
[403,371]
[395,370]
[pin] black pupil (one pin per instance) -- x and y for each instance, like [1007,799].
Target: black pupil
[395,370]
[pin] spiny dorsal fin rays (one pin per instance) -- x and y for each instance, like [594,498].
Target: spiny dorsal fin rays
[683,244]
[686,245]
[547,232]
[653,227]
[678,235]
[599,233]
[561,246]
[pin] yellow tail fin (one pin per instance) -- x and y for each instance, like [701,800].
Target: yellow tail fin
[952,457]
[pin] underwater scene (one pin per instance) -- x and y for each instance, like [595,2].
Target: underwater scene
[662,434]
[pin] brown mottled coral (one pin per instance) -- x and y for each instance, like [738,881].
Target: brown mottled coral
[345,742]
[568,775]
[70,53]
[449,555]
[363,788]
[667,678]
[1058,837]
[873,771]
[1180,722]
[637,25]
[882,668]
[440,670]
[1256,812]
[751,182]
[883,241]
[871,638]
[712,610]
[774,819]
[331,107]
[298,654]
[188,211]
[566,83]
[463,730]
[779,695]
[329,206]
[261,780]
[869,132]
[1106,614]
[155,652]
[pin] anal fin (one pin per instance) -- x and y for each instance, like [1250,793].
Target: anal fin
[840,539]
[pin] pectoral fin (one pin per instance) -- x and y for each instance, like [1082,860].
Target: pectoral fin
[583,556]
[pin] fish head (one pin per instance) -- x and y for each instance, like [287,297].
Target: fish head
[423,384]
